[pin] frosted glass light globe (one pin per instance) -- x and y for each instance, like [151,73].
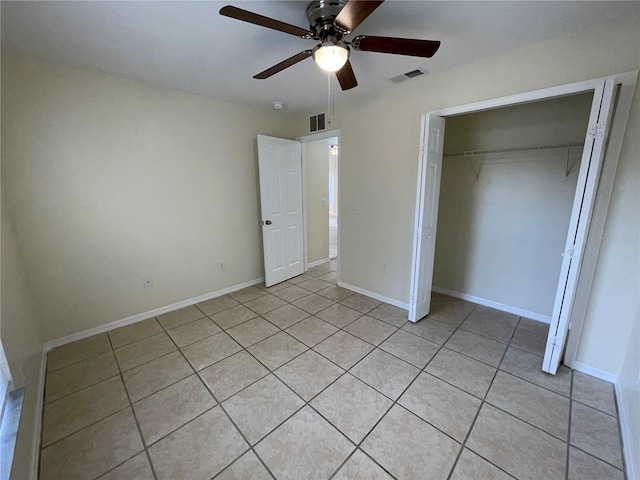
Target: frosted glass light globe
[331,57]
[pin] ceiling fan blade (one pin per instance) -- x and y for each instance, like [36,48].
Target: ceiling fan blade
[282,65]
[346,77]
[398,46]
[354,13]
[250,17]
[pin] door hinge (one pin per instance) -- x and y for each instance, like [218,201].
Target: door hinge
[571,252]
[413,299]
[418,233]
[597,130]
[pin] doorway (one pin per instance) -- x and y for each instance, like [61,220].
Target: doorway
[320,165]
[605,133]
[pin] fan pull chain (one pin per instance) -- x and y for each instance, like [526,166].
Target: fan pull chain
[333,96]
[329,98]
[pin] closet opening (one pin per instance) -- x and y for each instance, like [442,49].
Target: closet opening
[508,183]
[498,222]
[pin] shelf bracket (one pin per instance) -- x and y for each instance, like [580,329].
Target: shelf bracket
[478,165]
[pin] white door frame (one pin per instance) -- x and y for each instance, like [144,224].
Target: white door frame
[627,82]
[312,138]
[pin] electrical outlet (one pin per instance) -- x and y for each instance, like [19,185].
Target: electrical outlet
[354,211]
[324,202]
[383,268]
[147,282]
[223,266]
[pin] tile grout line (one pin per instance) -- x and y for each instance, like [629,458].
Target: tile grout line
[599,459]
[308,403]
[395,402]
[135,418]
[78,361]
[67,395]
[130,403]
[344,371]
[218,404]
[475,419]
[567,466]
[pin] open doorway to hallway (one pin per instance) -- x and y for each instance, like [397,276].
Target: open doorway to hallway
[333,199]
[320,160]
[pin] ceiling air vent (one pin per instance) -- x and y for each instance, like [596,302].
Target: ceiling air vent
[412,74]
[317,123]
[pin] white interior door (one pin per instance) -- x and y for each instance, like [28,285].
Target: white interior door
[427,199]
[280,167]
[593,154]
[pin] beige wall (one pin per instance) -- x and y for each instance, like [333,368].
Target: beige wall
[316,157]
[379,159]
[502,230]
[109,180]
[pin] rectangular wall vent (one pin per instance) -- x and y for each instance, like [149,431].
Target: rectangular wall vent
[317,122]
[412,74]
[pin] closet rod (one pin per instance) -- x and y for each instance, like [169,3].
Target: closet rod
[473,153]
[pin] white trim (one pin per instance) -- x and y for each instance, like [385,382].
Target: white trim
[305,236]
[498,306]
[318,262]
[520,98]
[627,434]
[594,372]
[377,296]
[145,315]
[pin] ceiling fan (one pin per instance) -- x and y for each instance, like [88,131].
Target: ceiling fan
[330,21]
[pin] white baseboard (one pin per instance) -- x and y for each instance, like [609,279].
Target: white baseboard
[498,306]
[145,315]
[594,372]
[318,262]
[625,427]
[377,296]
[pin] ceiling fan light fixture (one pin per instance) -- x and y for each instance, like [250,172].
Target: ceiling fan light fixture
[331,57]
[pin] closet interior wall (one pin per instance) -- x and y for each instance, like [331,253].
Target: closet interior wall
[508,183]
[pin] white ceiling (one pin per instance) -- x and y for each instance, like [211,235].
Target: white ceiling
[190,47]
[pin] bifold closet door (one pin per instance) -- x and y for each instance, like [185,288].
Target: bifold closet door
[426,221]
[591,164]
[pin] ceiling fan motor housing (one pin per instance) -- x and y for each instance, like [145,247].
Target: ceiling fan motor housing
[321,14]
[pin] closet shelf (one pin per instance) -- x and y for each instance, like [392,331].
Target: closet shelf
[479,163]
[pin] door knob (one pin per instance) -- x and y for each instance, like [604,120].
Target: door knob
[268,222]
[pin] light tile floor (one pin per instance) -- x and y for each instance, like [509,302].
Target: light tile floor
[297,383]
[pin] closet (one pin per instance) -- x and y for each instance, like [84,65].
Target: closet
[506,194]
